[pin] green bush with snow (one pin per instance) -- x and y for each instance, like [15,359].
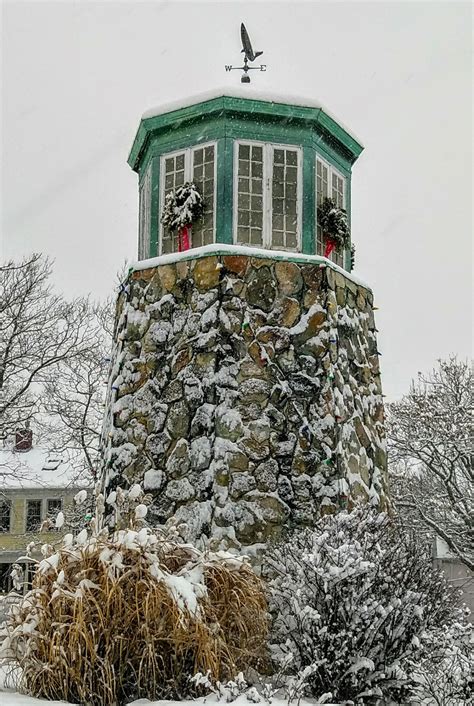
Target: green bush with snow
[357,607]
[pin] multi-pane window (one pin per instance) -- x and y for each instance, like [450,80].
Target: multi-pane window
[337,186]
[172,176]
[285,199]
[144,216]
[329,183]
[6,581]
[196,164]
[203,160]
[53,507]
[5,508]
[267,195]
[250,195]
[33,515]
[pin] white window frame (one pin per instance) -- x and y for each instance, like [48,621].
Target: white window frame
[331,170]
[144,215]
[268,149]
[188,176]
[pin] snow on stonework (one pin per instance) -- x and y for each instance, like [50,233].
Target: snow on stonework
[244,393]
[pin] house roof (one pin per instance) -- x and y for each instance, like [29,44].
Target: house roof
[36,468]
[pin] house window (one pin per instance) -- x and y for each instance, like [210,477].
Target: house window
[267,195]
[5,508]
[33,515]
[329,183]
[6,582]
[144,216]
[197,164]
[54,506]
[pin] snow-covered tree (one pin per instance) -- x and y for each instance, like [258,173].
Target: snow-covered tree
[74,396]
[41,336]
[443,671]
[430,446]
[353,600]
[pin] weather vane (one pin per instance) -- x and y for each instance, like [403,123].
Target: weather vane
[250,55]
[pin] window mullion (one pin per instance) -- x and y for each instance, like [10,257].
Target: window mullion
[267,191]
[188,175]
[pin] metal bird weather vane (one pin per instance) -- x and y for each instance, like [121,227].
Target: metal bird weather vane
[249,55]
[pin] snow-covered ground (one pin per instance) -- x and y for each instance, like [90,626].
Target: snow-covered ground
[9,697]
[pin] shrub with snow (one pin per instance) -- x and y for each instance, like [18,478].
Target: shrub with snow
[136,615]
[443,670]
[355,601]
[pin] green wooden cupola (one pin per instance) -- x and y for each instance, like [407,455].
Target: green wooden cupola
[261,162]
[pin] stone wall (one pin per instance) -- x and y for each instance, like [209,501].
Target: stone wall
[245,394]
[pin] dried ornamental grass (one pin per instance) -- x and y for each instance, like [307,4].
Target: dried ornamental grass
[135,616]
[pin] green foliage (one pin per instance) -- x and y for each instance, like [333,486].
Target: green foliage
[333,221]
[183,207]
[356,607]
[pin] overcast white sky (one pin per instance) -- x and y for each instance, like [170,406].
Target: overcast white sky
[76,76]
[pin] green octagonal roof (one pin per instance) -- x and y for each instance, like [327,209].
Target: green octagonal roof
[239,102]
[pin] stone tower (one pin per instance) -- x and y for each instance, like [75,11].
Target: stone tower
[245,390]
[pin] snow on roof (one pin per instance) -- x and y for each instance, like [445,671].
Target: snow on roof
[251,94]
[36,468]
[227,249]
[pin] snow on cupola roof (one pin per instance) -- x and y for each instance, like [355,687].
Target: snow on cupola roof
[227,106]
[241,92]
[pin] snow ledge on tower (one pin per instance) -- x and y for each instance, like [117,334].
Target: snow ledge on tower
[228,249]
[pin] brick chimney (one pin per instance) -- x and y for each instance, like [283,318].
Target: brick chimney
[24,438]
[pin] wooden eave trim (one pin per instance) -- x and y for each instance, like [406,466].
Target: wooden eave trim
[254,109]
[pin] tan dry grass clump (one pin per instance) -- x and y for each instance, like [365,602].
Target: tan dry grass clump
[112,620]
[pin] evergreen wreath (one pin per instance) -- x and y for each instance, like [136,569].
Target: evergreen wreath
[333,222]
[183,207]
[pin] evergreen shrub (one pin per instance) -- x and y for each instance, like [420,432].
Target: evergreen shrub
[355,605]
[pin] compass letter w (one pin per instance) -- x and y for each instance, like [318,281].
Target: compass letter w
[228,68]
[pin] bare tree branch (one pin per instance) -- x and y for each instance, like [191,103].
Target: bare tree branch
[430,448]
[51,361]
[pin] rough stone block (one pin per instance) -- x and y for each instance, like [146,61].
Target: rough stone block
[206,272]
